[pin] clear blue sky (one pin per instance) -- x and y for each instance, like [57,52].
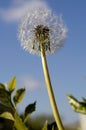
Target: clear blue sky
[67,66]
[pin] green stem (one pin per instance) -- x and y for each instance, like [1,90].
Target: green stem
[18,124]
[50,90]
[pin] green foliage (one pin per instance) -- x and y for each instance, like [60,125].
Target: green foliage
[7,105]
[2,86]
[7,115]
[19,94]
[5,97]
[45,126]
[9,118]
[12,84]
[76,105]
[51,126]
[28,110]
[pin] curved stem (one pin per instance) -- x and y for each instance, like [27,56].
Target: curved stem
[50,90]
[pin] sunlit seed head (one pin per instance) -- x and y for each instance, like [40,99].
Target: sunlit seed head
[41,26]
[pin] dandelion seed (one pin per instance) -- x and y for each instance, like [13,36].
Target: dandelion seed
[41,26]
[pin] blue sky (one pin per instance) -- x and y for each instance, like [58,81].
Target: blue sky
[67,66]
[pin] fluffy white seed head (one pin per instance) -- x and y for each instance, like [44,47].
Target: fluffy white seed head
[42,26]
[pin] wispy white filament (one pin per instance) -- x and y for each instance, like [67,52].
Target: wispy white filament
[45,17]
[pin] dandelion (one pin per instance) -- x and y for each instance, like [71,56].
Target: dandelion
[42,32]
[41,25]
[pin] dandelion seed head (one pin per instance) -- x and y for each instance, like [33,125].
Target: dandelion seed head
[41,25]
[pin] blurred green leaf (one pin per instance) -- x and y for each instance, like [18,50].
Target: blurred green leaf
[19,95]
[28,110]
[7,115]
[84,100]
[45,126]
[76,105]
[6,108]
[12,84]
[2,86]
[52,126]
[5,97]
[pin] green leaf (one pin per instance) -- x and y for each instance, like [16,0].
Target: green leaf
[2,86]
[52,126]
[12,84]
[5,97]
[84,100]
[19,95]
[76,105]
[28,110]
[6,108]
[7,115]
[45,126]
